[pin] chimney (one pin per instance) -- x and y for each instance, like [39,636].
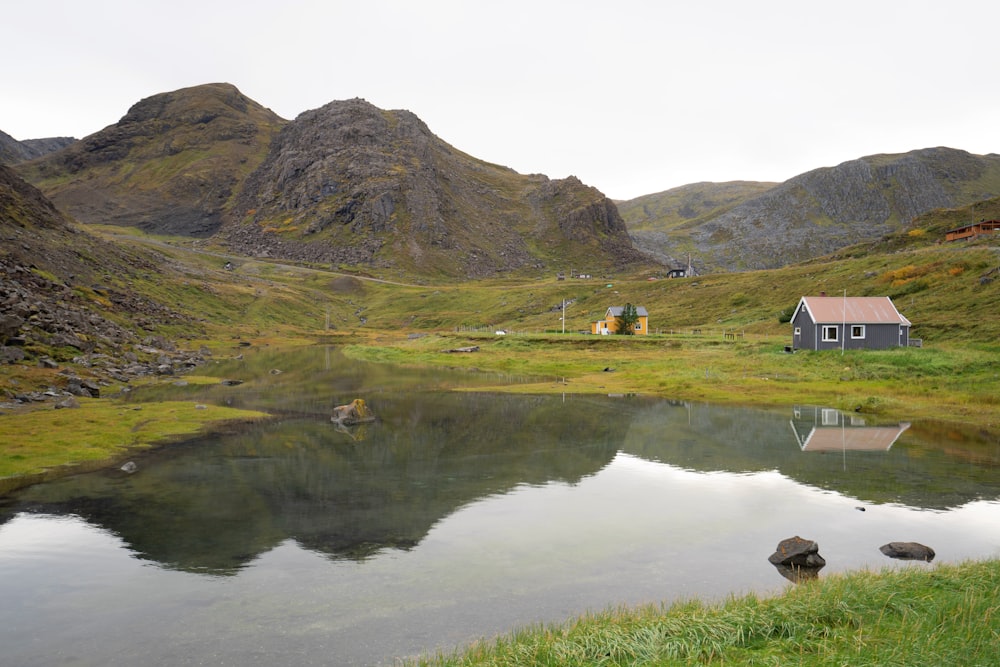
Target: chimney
[822,293]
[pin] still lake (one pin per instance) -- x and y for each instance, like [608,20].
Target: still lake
[457,515]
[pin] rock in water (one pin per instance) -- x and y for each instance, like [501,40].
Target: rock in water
[908,551]
[797,552]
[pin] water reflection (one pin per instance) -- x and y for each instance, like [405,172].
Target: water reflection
[915,471]
[830,430]
[214,505]
[455,515]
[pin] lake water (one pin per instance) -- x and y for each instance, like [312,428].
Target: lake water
[455,516]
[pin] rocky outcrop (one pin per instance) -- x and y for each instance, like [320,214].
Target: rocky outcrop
[351,183]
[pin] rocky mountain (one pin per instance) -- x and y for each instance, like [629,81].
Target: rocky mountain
[171,165]
[13,151]
[344,184]
[665,219]
[812,214]
[351,183]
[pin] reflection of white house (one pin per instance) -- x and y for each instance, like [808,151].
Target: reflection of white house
[827,429]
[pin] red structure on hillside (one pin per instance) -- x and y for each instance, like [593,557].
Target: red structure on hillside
[972,231]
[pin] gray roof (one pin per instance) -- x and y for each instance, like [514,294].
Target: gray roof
[616,311]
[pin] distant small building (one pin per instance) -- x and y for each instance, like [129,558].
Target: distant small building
[676,273]
[609,325]
[852,323]
[972,231]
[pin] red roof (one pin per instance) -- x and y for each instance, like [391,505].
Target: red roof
[852,309]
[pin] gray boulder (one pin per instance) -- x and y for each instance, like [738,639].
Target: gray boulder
[797,552]
[908,551]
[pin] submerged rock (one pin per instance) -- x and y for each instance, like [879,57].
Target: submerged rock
[355,412]
[908,551]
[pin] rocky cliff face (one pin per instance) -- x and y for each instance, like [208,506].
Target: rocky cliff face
[825,209]
[351,183]
[170,165]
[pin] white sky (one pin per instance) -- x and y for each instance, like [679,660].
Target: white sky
[631,96]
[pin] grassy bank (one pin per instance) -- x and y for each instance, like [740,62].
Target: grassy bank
[955,383]
[941,615]
[39,444]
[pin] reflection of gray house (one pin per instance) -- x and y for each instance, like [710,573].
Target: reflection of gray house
[827,429]
[852,323]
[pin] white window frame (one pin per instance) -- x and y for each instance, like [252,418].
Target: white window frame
[829,329]
[798,331]
[829,417]
[861,331]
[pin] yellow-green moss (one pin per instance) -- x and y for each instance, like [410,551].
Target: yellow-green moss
[100,430]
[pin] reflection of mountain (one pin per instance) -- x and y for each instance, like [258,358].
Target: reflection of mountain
[310,381]
[214,505]
[830,430]
[918,470]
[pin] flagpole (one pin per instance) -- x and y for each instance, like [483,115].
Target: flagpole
[843,336]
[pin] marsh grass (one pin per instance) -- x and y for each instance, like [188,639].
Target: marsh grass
[941,615]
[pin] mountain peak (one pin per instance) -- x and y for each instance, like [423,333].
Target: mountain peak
[170,164]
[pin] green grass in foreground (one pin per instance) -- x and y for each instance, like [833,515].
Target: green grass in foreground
[941,615]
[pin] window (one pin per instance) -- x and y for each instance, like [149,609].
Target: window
[798,331]
[638,326]
[830,417]
[857,331]
[830,334]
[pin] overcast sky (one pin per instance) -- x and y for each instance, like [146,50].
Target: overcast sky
[632,97]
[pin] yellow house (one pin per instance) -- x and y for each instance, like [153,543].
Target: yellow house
[609,324]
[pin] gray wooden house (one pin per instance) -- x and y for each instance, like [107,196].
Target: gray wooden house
[851,323]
